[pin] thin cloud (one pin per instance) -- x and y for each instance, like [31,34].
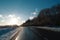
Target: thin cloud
[1,16]
[23,21]
[2,20]
[18,18]
[6,19]
[35,12]
[11,15]
[36,9]
[31,17]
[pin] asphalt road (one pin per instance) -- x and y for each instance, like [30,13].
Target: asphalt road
[28,34]
[32,33]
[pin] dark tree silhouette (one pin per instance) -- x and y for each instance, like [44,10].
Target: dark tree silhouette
[46,17]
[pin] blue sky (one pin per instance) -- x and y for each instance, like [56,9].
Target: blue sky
[24,8]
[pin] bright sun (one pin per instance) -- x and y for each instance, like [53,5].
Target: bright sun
[13,21]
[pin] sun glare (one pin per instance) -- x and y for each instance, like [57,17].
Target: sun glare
[13,21]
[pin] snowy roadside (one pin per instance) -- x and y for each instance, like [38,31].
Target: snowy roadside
[51,28]
[8,35]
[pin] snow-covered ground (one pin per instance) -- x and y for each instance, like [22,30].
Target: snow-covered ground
[12,31]
[51,28]
[9,34]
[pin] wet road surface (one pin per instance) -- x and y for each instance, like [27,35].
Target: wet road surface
[28,34]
